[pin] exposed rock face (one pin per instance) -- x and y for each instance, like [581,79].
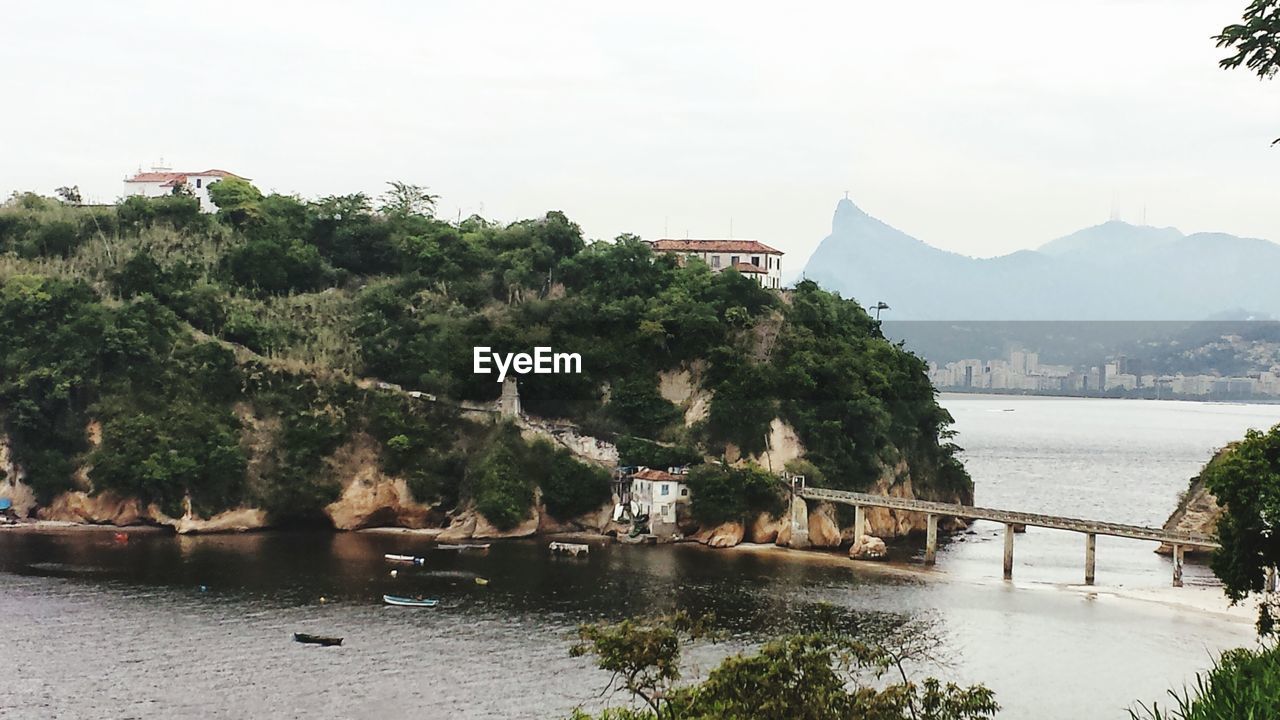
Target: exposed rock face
[470,524]
[584,447]
[783,446]
[378,503]
[238,520]
[11,485]
[724,535]
[369,497]
[1197,512]
[824,531]
[886,523]
[683,387]
[102,509]
[764,529]
[868,548]
[462,527]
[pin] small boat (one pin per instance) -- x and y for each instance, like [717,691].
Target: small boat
[464,546]
[408,602]
[316,639]
[412,560]
[482,581]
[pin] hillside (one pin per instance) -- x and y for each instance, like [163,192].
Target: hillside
[1113,271]
[160,364]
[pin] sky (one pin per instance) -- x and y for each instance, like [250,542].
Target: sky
[981,127]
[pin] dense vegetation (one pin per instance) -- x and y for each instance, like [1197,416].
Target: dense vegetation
[1244,683]
[829,674]
[220,354]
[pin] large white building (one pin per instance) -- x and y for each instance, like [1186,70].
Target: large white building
[160,181]
[753,259]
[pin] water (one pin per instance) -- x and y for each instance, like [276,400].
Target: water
[90,628]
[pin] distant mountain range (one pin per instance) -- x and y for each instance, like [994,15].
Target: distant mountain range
[1112,271]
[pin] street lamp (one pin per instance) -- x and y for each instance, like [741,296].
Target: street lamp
[878,307]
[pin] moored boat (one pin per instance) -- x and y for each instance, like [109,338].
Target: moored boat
[409,602]
[317,639]
[411,559]
[463,546]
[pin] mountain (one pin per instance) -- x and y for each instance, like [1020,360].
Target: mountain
[1112,271]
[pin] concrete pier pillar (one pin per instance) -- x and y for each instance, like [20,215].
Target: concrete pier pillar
[1008,551]
[1090,550]
[931,541]
[1177,566]
[799,524]
[859,523]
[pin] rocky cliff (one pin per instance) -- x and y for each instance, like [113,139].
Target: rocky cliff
[1197,510]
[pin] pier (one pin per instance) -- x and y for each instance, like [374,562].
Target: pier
[1091,529]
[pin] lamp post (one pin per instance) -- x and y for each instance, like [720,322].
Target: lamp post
[878,307]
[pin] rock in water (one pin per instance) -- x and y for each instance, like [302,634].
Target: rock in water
[868,547]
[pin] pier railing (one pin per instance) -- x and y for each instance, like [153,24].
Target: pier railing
[933,510]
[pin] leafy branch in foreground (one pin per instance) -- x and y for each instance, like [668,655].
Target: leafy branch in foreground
[812,676]
[1256,40]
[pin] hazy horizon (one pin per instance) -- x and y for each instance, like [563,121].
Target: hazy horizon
[974,133]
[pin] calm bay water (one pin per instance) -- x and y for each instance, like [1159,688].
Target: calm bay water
[196,627]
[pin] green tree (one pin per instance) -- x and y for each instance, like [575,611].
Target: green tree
[1246,482]
[239,202]
[404,200]
[1255,40]
[814,676]
[721,493]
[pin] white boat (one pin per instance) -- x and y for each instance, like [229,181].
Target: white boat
[408,602]
[405,559]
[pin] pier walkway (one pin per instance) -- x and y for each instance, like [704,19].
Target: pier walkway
[1091,529]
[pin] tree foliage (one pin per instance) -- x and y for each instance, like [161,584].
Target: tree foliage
[1255,40]
[1246,481]
[813,676]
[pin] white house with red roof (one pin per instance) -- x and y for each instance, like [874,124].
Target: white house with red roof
[656,493]
[749,257]
[160,181]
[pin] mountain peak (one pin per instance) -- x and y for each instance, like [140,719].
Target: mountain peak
[845,216]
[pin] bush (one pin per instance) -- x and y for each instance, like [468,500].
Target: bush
[278,267]
[1244,683]
[721,493]
[638,451]
[500,486]
[572,488]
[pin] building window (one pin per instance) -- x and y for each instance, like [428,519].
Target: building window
[197,182]
[666,489]
[715,261]
[684,492]
[755,260]
[733,260]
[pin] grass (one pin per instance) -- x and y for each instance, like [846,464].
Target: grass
[1243,684]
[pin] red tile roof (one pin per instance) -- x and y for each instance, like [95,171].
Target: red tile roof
[749,268]
[741,246]
[169,179]
[655,475]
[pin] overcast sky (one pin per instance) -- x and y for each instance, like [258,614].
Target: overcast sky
[981,127]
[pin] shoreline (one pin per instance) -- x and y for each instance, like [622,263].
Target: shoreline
[1205,601]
